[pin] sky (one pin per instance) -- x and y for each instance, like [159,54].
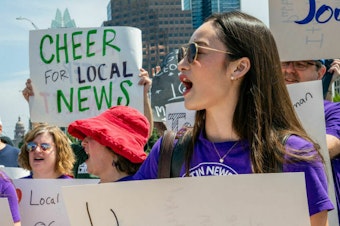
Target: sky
[14,46]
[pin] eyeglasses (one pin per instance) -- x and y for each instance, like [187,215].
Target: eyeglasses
[32,146]
[191,50]
[298,65]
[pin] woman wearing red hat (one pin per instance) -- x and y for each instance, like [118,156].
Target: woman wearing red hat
[114,142]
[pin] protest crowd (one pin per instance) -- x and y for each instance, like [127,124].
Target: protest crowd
[244,123]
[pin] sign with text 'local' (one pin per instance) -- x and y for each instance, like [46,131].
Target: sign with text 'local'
[41,202]
[80,72]
[303,30]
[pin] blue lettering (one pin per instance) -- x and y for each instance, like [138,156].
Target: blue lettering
[324,10]
[336,14]
[310,15]
[320,11]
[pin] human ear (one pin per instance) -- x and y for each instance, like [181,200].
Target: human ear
[241,67]
[321,71]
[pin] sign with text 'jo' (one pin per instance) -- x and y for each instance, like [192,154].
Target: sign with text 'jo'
[303,30]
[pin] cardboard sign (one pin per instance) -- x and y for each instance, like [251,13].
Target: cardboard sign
[177,116]
[304,29]
[307,99]
[166,87]
[15,172]
[5,212]
[41,202]
[254,199]
[80,72]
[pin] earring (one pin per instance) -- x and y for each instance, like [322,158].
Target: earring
[232,78]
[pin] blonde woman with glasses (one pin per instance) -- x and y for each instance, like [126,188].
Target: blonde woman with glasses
[47,153]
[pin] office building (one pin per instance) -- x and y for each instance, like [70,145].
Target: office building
[201,9]
[165,26]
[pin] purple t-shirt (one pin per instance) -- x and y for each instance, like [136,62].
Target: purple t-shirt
[63,176]
[205,162]
[332,119]
[7,190]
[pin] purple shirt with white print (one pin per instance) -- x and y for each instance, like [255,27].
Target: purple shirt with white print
[205,162]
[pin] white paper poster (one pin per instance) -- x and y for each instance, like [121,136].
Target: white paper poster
[41,202]
[307,99]
[177,116]
[15,172]
[253,199]
[80,72]
[5,213]
[303,30]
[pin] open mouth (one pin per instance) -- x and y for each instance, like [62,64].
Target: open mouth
[290,80]
[187,83]
[38,159]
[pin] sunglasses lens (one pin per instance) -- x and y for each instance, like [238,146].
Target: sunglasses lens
[191,55]
[31,146]
[180,55]
[45,147]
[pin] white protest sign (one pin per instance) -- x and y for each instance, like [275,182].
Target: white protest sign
[304,29]
[80,72]
[252,199]
[41,202]
[15,172]
[307,99]
[177,116]
[5,213]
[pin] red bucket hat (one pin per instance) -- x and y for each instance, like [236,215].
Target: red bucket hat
[123,129]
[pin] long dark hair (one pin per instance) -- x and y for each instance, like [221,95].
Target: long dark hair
[264,114]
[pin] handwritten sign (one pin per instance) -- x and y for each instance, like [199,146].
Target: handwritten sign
[307,99]
[44,196]
[178,116]
[309,26]
[166,87]
[256,199]
[5,213]
[80,72]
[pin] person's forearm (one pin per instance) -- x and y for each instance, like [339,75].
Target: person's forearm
[148,112]
[319,219]
[333,145]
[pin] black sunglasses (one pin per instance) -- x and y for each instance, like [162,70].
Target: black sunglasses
[190,51]
[32,146]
